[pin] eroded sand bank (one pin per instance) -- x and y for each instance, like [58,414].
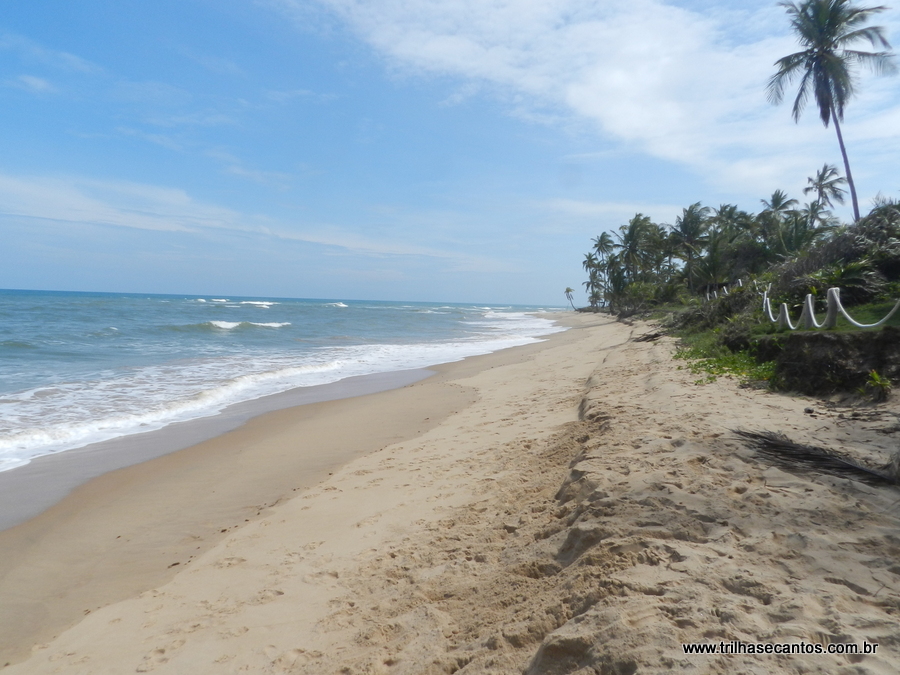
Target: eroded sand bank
[581,508]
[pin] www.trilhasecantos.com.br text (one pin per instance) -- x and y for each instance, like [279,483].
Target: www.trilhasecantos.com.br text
[738,647]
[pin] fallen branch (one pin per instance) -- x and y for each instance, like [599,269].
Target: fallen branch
[798,457]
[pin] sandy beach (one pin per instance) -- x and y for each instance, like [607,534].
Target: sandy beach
[580,505]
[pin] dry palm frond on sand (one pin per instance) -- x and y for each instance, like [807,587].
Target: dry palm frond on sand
[798,457]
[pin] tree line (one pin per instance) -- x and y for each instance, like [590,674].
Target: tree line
[646,262]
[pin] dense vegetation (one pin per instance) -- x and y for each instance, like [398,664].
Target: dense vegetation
[790,251]
[798,250]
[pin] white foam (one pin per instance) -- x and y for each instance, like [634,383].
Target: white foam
[231,325]
[65,415]
[219,300]
[335,304]
[259,303]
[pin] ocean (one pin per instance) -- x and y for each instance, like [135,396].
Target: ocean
[80,368]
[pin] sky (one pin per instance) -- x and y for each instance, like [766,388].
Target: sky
[419,150]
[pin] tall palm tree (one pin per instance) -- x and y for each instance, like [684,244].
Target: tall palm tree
[827,186]
[616,281]
[569,292]
[826,29]
[690,235]
[632,244]
[603,245]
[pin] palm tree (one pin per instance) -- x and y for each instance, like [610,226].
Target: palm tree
[593,286]
[632,242]
[814,213]
[826,185]
[616,281]
[826,29]
[690,236]
[772,218]
[569,292]
[603,245]
[779,205]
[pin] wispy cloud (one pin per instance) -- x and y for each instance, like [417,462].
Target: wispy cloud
[680,81]
[195,119]
[150,93]
[112,203]
[34,84]
[236,167]
[162,209]
[37,53]
[615,210]
[303,94]
[216,64]
[161,140]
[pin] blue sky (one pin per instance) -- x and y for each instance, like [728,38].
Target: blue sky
[436,150]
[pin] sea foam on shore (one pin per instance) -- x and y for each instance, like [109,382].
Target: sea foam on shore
[80,368]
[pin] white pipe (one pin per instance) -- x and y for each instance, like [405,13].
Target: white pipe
[843,311]
[808,315]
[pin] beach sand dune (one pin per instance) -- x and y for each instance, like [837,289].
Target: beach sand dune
[586,509]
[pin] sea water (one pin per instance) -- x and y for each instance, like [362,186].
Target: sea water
[80,368]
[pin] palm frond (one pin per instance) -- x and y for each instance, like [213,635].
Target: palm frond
[874,34]
[789,67]
[881,63]
[792,456]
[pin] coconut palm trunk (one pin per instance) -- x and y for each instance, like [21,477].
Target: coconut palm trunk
[849,176]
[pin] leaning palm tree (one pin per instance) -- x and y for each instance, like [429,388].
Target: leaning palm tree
[827,186]
[569,292]
[826,29]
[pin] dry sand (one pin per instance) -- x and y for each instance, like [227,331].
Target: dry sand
[578,506]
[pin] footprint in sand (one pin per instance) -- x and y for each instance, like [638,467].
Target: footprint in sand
[158,656]
[229,562]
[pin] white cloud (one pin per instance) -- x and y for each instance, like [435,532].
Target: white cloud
[683,83]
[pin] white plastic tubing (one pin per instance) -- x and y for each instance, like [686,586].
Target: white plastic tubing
[807,319]
[715,294]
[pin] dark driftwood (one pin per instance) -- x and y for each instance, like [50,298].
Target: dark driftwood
[795,456]
[649,337]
